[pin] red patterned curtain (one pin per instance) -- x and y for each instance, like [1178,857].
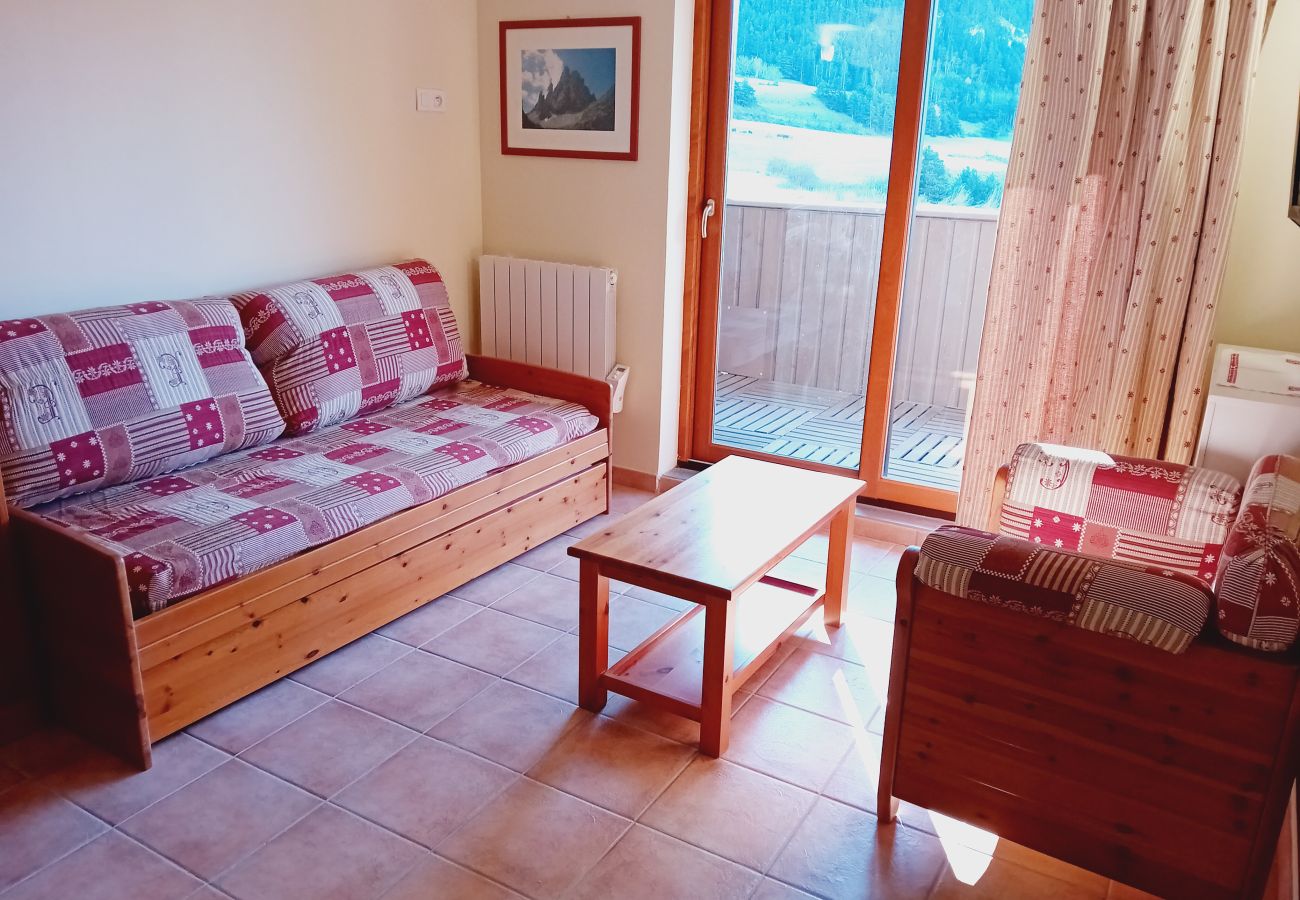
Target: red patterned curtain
[1111,247]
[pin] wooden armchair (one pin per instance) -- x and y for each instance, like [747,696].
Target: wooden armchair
[1164,761]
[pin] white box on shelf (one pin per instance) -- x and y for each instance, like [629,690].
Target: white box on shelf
[1241,425]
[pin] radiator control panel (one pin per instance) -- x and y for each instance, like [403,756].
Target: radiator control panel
[617,377]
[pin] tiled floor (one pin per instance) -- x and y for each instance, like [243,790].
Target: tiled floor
[443,757]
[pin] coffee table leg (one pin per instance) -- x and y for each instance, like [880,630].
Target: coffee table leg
[715,699]
[839,555]
[593,635]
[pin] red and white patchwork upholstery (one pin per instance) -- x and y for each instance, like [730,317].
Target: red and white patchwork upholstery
[1134,510]
[1259,582]
[184,532]
[352,344]
[104,396]
[1150,605]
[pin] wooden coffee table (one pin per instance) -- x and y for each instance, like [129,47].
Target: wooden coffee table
[712,540]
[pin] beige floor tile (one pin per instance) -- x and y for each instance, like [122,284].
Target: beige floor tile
[838,852]
[493,641]
[887,565]
[867,552]
[801,571]
[569,568]
[111,867]
[631,621]
[114,790]
[37,827]
[856,782]
[488,589]
[554,670]
[331,853]
[329,747]
[612,765]
[861,639]
[1006,879]
[787,743]
[771,889]
[656,597]
[424,624]
[548,599]
[349,664]
[548,555]
[436,878]
[245,722]
[731,811]
[647,865]
[509,724]
[418,689]
[426,791]
[209,825]
[535,839]
[874,596]
[825,685]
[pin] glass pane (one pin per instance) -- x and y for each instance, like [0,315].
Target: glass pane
[977,51]
[812,111]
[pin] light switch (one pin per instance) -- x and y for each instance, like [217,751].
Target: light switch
[430,100]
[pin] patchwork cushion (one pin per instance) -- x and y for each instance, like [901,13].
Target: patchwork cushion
[104,396]
[1153,606]
[1259,581]
[352,344]
[1134,510]
[231,516]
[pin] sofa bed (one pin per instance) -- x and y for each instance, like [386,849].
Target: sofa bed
[206,495]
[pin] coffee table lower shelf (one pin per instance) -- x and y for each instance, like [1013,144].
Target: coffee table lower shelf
[667,669]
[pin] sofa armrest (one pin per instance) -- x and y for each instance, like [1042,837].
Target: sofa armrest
[594,393]
[1152,606]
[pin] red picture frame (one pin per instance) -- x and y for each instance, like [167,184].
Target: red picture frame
[634,87]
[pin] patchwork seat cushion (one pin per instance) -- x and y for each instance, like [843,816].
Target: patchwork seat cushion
[188,531]
[1134,510]
[1151,605]
[109,395]
[352,344]
[1259,581]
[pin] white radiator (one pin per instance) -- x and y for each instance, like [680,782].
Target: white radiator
[548,314]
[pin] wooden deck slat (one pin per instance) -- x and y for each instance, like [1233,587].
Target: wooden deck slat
[926,443]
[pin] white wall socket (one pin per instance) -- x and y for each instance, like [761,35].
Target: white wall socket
[430,100]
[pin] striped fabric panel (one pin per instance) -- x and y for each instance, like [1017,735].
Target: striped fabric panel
[1094,233]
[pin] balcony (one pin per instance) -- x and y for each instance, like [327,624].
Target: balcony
[797,302]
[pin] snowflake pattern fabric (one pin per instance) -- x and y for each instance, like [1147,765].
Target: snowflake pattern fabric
[104,396]
[1133,510]
[352,344]
[1259,584]
[188,531]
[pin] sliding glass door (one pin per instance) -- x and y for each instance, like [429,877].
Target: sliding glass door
[851,172]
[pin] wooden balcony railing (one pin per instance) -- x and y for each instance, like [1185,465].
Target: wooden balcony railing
[799,296]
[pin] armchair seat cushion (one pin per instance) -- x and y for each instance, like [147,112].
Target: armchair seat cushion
[1151,605]
[1259,582]
[231,516]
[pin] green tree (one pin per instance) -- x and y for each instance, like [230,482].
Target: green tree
[743,94]
[933,183]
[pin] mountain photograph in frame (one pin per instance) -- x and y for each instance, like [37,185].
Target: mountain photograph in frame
[570,87]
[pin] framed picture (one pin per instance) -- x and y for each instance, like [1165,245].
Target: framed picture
[571,87]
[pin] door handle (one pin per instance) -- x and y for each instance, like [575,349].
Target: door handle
[709,209]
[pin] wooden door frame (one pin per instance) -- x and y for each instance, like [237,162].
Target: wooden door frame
[710,91]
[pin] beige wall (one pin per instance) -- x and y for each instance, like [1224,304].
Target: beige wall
[154,148]
[1259,304]
[630,215]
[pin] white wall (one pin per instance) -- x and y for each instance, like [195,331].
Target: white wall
[630,215]
[1259,304]
[155,148]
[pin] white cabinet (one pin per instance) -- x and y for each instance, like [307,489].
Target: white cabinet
[1242,424]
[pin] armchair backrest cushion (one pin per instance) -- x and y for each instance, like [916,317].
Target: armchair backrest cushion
[1142,511]
[352,344]
[1259,580]
[106,396]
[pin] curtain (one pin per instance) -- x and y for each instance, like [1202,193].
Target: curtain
[1111,246]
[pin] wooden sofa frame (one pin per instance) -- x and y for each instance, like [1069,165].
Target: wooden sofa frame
[1170,773]
[126,683]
